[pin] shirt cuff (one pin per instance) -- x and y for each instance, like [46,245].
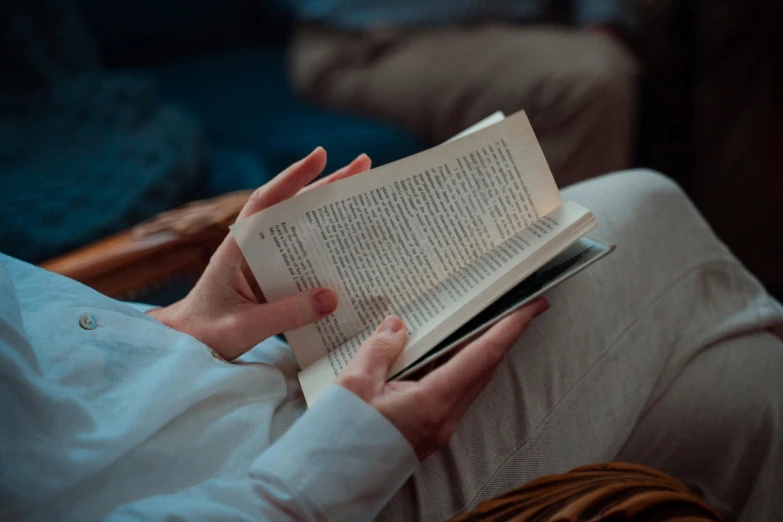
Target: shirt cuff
[343,456]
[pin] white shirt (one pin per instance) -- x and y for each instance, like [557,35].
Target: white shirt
[131,420]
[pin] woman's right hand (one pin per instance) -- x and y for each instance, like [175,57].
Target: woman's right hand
[428,411]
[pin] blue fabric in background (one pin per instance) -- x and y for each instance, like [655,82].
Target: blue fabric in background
[253,120]
[190,100]
[84,152]
[224,61]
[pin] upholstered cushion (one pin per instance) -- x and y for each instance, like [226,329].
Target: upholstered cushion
[244,101]
[88,157]
[86,152]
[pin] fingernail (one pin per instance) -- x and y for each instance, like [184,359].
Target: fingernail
[325,302]
[391,324]
[543,306]
[301,161]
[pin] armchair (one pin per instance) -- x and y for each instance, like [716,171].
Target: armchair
[158,260]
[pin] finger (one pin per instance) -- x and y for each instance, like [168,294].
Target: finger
[463,402]
[361,163]
[287,314]
[377,354]
[479,358]
[287,183]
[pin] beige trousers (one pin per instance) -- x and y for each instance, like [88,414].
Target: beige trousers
[668,354]
[578,88]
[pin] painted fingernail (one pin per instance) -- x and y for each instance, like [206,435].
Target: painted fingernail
[325,302]
[543,306]
[391,324]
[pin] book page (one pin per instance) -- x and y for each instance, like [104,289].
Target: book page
[581,254]
[383,240]
[492,119]
[465,292]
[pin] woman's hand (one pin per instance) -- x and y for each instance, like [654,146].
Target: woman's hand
[428,411]
[226,310]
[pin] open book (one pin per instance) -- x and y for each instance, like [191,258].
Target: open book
[451,240]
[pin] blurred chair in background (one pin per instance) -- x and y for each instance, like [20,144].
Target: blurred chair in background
[437,66]
[88,149]
[83,152]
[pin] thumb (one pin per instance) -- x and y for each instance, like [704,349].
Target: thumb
[377,354]
[292,312]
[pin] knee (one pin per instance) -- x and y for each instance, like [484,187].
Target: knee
[641,188]
[657,194]
[659,198]
[645,182]
[642,199]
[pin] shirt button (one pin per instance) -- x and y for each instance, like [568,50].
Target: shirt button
[88,322]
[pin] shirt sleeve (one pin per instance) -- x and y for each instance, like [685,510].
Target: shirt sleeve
[342,460]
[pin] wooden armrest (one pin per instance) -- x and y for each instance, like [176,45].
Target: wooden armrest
[172,246]
[124,267]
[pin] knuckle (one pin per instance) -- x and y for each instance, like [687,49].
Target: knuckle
[357,383]
[382,344]
[256,194]
[230,325]
[351,380]
[381,349]
[495,353]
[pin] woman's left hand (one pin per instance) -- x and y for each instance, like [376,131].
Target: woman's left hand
[226,310]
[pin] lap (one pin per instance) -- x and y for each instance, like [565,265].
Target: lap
[615,341]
